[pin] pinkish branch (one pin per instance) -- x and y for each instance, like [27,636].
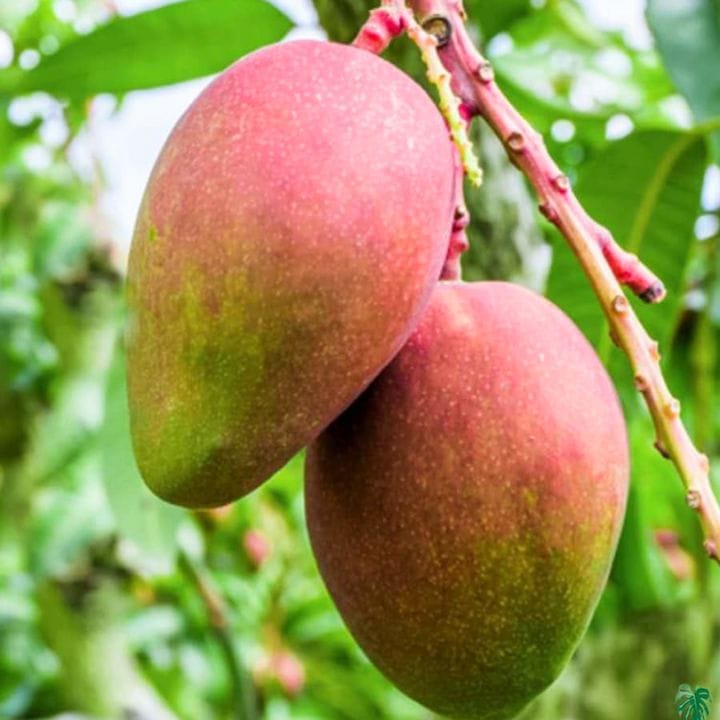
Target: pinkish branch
[473,81]
[604,262]
[458,238]
[388,22]
[383,26]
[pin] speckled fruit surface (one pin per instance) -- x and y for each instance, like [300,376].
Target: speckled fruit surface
[465,510]
[289,237]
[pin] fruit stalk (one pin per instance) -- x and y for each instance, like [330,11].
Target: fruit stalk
[385,23]
[452,270]
[604,262]
[394,18]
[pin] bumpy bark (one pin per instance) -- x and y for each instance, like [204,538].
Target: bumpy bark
[605,263]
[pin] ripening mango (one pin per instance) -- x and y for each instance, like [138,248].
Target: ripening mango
[465,510]
[290,235]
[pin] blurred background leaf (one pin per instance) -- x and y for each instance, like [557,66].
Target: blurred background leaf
[176,42]
[687,33]
[560,66]
[148,528]
[493,18]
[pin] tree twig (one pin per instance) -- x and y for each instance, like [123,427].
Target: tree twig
[605,263]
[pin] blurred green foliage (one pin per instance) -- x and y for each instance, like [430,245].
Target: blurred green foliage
[115,605]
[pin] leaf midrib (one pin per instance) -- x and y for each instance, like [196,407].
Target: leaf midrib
[641,222]
[652,193]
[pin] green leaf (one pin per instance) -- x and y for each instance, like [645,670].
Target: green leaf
[640,572]
[63,433]
[148,525]
[496,17]
[170,44]
[646,190]
[69,517]
[557,57]
[687,34]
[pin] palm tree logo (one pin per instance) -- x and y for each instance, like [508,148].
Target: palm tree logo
[693,704]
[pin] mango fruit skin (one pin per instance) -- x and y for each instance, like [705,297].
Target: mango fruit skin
[290,234]
[465,510]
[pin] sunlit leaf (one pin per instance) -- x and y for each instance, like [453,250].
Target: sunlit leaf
[176,42]
[558,65]
[69,517]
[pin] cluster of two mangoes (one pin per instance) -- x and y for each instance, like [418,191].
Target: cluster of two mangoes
[467,463]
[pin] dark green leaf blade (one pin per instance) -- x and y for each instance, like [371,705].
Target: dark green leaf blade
[170,44]
[496,17]
[640,571]
[646,190]
[687,34]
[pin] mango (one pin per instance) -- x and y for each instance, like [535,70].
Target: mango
[465,510]
[289,237]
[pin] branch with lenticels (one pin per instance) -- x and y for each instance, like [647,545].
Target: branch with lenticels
[438,28]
